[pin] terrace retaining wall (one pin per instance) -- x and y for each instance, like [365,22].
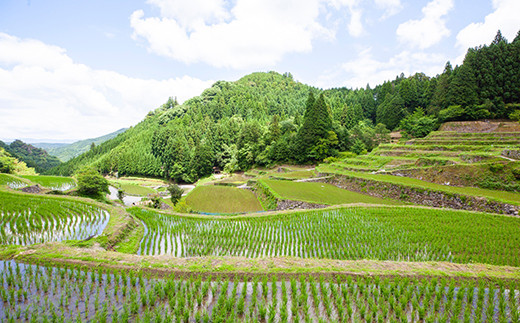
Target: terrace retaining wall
[420,196]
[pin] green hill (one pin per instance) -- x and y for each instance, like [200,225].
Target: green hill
[34,157]
[64,152]
[264,119]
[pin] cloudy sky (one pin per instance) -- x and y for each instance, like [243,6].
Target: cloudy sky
[79,69]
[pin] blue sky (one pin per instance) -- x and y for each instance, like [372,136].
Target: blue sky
[77,69]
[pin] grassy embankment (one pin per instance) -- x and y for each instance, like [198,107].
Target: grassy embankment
[321,193]
[500,196]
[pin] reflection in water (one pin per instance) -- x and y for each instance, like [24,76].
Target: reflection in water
[127,199]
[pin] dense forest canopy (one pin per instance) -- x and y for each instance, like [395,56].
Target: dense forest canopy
[36,158]
[268,118]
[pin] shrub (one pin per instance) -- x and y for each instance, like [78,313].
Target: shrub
[451,113]
[175,193]
[90,182]
[516,173]
[418,125]
[496,167]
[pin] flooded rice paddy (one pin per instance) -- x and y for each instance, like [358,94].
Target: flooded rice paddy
[41,293]
[31,220]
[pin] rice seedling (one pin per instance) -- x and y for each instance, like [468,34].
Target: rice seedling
[393,233]
[26,220]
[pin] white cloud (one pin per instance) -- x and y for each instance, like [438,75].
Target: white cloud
[505,18]
[367,69]
[250,34]
[391,6]
[428,31]
[44,93]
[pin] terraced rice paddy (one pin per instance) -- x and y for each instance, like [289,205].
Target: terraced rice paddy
[12,181]
[26,220]
[393,233]
[321,193]
[222,199]
[39,293]
[52,182]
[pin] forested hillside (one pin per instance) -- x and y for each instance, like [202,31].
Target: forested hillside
[268,118]
[34,157]
[11,165]
[65,152]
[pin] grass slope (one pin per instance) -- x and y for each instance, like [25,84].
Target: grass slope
[222,199]
[321,193]
[507,197]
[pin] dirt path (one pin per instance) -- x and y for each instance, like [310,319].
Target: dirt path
[55,253]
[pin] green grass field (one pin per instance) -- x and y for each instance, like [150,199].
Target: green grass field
[222,199]
[52,182]
[321,193]
[132,188]
[507,197]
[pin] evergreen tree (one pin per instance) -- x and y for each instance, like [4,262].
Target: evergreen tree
[463,86]
[391,111]
[317,123]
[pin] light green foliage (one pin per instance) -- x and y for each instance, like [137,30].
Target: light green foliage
[11,165]
[37,219]
[222,199]
[90,182]
[321,193]
[417,124]
[34,157]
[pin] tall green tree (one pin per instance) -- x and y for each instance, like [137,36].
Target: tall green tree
[316,125]
[391,111]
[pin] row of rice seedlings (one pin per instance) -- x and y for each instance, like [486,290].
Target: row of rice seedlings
[58,183]
[26,220]
[401,234]
[31,292]
[11,182]
[332,234]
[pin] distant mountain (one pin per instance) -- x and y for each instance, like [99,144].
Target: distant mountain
[34,157]
[64,151]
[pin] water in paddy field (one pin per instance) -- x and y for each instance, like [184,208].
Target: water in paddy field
[32,292]
[127,199]
[16,185]
[326,234]
[62,187]
[27,228]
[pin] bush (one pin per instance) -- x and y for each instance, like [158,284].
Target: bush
[516,173]
[418,125]
[515,116]
[496,167]
[452,113]
[175,193]
[90,182]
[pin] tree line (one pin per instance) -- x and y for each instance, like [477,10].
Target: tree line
[269,118]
